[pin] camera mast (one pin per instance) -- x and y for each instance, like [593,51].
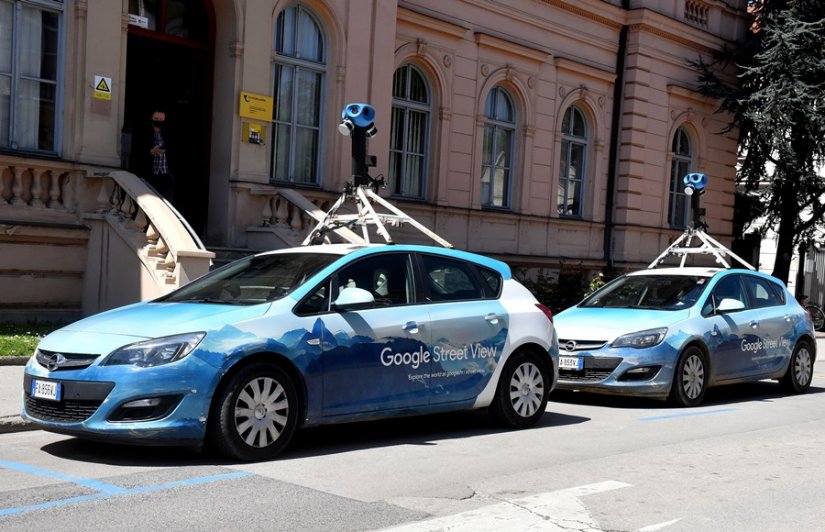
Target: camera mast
[695,241]
[357,122]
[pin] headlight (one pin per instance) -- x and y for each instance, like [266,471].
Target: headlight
[155,352]
[641,339]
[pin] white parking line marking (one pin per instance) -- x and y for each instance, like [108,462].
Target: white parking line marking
[659,526]
[553,511]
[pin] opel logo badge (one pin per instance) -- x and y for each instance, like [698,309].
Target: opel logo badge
[570,345]
[55,361]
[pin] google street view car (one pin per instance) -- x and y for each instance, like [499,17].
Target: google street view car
[245,355]
[674,332]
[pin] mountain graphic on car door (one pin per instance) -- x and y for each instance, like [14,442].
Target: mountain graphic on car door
[376,359]
[470,338]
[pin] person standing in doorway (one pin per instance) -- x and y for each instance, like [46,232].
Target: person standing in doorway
[152,156]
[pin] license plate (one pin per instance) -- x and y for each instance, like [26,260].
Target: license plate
[46,390]
[576,363]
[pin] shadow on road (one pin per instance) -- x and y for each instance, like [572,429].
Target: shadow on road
[720,395]
[315,441]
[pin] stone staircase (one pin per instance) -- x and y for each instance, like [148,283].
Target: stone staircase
[76,240]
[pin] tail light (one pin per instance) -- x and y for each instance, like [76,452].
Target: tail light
[547,311]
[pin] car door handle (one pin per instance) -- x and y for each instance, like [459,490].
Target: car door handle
[411,327]
[492,318]
[754,324]
[314,341]
[788,318]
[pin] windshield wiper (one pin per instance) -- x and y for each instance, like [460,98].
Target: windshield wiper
[203,300]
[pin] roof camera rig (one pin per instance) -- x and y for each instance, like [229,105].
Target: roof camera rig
[695,241]
[358,123]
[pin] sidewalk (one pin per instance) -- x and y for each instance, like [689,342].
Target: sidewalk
[11,402]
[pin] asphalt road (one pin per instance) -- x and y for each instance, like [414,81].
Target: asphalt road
[749,459]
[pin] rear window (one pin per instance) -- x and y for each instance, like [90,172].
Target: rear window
[656,292]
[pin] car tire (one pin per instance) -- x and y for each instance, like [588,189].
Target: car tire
[255,413]
[800,370]
[690,380]
[522,392]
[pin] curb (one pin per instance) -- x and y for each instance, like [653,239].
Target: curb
[10,424]
[14,361]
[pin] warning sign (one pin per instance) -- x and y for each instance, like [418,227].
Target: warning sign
[103,88]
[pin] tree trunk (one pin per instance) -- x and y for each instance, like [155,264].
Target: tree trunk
[786,232]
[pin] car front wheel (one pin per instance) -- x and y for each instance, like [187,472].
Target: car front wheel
[691,378]
[255,413]
[522,391]
[800,370]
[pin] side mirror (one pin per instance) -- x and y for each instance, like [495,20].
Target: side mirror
[353,299]
[729,305]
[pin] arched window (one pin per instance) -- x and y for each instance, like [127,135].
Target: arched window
[409,132]
[681,159]
[300,68]
[572,165]
[497,158]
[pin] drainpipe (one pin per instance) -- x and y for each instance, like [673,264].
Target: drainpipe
[615,133]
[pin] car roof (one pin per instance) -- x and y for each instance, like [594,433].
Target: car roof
[695,271]
[367,249]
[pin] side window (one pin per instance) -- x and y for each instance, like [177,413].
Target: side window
[762,293]
[449,279]
[315,303]
[729,287]
[493,280]
[387,277]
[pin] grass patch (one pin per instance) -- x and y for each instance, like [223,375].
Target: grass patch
[21,339]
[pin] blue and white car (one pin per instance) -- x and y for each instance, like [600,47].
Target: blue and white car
[674,332]
[245,355]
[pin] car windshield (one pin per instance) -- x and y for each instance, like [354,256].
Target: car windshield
[253,280]
[658,292]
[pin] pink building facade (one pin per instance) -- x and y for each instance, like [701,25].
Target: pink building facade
[549,133]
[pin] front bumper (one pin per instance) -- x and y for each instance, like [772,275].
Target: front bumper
[164,405]
[606,370]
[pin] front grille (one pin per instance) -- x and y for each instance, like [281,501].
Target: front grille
[588,375]
[72,411]
[56,361]
[572,346]
[596,369]
[80,400]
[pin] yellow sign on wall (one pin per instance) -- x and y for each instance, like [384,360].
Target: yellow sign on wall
[103,88]
[256,106]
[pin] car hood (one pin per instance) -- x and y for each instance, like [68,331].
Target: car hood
[104,332]
[607,324]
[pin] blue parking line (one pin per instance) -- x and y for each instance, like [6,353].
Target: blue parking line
[106,491]
[687,414]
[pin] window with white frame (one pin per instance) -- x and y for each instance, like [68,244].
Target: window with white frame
[572,163]
[409,132]
[30,72]
[497,156]
[680,164]
[300,69]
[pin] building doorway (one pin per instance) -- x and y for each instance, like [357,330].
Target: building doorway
[170,51]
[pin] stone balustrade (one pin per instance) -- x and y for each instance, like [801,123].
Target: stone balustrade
[125,243]
[288,215]
[146,220]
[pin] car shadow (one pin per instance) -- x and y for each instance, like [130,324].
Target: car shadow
[720,395]
[314,441]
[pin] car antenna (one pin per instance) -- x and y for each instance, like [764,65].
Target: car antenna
[685,245]
[357,122]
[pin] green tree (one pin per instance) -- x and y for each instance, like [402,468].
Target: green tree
[778,107]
